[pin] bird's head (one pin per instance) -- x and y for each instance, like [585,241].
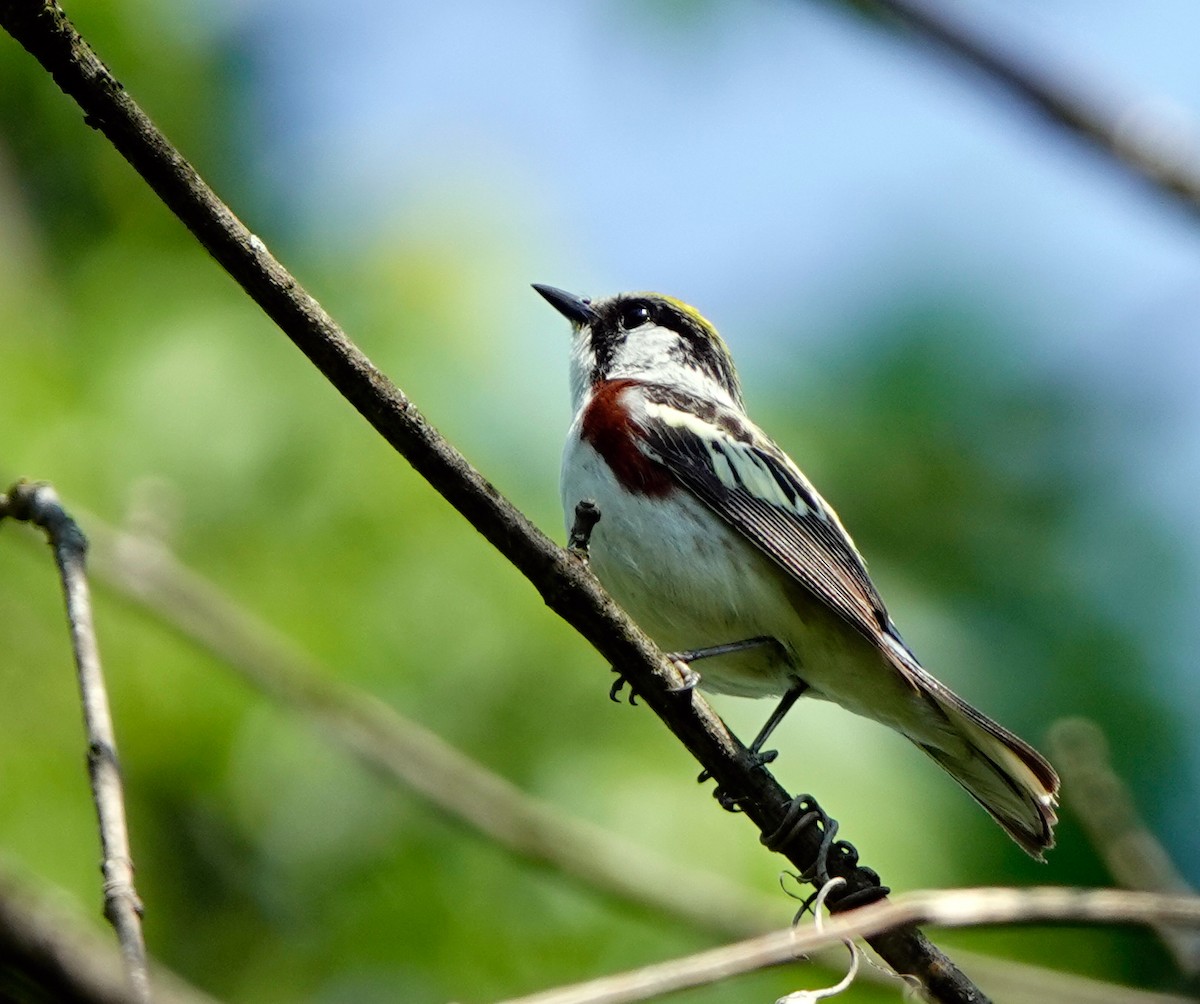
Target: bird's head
[648,337]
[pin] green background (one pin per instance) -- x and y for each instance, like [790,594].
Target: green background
[137,378]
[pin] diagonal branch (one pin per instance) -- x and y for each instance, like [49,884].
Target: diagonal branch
[563,581]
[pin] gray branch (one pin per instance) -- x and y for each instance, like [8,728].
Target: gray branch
[38,504]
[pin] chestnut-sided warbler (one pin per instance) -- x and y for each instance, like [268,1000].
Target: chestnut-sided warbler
[721,549]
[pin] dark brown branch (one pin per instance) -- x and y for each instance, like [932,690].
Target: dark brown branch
[562,580]
[38,504]
[1106,125]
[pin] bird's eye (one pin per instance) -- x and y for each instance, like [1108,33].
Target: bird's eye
[633,315]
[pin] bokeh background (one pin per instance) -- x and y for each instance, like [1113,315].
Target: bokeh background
[977,336]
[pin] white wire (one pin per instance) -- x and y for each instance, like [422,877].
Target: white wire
[812,996]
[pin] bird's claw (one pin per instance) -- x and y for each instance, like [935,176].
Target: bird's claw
[758,759]
[614,692]
[689,678]
[764,757]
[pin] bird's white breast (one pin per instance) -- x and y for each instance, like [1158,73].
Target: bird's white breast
[687,579]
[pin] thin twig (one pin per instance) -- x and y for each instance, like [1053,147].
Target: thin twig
[1105,806]
[946,908]
[564,582]
[38,504]
[1124,130]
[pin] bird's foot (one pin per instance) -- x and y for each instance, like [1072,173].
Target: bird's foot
[758,758]
[689,679]
[696,654]
[614,692]
[683,660]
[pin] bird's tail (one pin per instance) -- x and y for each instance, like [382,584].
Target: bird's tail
[1003,773]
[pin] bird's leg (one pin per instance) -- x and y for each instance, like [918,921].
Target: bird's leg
[777,716]
[683,660]
[691,678]
[760,758]
[587,515]
[696,654]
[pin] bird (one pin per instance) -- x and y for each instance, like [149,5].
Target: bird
[723,552]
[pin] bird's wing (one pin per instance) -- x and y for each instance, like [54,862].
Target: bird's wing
[724,460]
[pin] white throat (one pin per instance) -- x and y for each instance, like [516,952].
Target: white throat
[645,355]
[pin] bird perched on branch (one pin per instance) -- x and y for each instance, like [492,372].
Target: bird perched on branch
[721,549]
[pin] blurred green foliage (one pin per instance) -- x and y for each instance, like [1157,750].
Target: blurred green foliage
[134,375]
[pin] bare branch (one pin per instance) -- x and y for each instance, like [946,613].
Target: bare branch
[1105,806]
[38,504]
[1124,130]
[948,908]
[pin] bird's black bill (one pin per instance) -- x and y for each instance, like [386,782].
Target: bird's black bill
[575,309]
